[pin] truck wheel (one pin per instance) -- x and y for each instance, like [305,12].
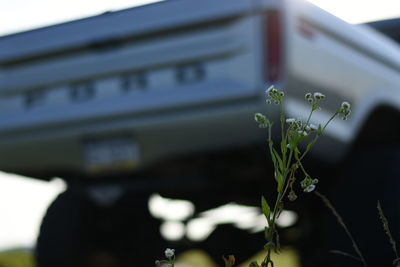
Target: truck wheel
[77,232]
[367,175]
[59,239]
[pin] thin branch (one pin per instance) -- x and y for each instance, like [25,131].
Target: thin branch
[339,252]
[385,223]
[343,225]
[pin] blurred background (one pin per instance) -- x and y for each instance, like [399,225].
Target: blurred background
[24,201]
[22,15]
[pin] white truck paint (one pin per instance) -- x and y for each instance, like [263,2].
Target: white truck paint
[181,77]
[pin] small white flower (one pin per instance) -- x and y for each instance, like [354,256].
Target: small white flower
[261,120]
[290,120]
[259,117]
[313,127]
[169,253]
[318,96]
[345,105]
[309,188]
[270,90]
[303,133]
[307,96]
[345,110]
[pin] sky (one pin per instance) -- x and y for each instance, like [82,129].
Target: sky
[19,15]
[23,201]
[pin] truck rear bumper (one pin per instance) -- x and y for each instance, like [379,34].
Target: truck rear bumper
[212,121]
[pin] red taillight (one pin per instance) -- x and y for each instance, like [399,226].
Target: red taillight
[273,45]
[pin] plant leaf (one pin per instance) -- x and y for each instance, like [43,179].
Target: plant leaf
[309,145]
[319,131]
[279,179]
[280,162]
[273,158]
[265,208]
[280,185]
[283,146]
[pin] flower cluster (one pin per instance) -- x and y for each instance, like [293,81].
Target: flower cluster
[287,160]
[345,110]
[313,99]
[308,184]
[170,262]
[275,96]
[261,120]
[300,129]
[298,125]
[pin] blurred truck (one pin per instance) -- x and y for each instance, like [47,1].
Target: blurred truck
[161,98]
[389,27]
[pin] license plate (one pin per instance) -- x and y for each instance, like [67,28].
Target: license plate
[110,154]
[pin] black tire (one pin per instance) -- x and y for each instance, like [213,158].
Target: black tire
[366,176]
[59,243]
[76,232]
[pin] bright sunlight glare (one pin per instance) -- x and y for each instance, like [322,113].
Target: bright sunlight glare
[23,203]
[359,11]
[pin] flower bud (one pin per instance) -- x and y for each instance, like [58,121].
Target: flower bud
[270,90]
[345,105]
[169,253]
[309,188]
[319,96]
[261,120]
[303,133]
[229,261]
[292,196]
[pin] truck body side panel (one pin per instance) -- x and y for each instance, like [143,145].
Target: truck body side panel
[198,85]
[183,83]
[343,61]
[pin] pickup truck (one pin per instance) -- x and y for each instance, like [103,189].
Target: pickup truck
[161,98]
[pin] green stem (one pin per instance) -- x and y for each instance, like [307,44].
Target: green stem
[287,185]
[282,117]
[267,260]
[308,119]
[316,137]
[333,116]
[302,168]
